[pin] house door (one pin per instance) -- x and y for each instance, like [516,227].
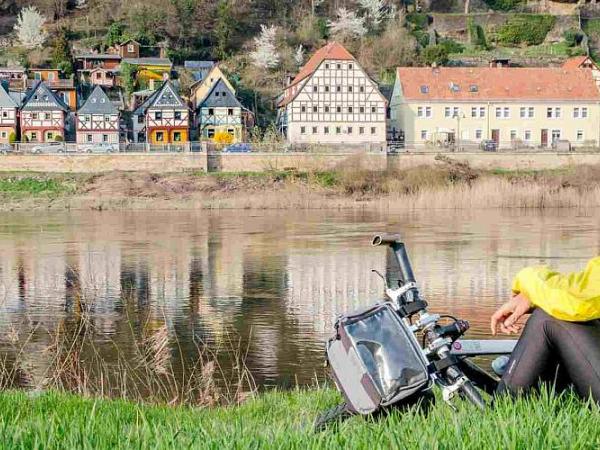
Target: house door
[496,137]
[544,138]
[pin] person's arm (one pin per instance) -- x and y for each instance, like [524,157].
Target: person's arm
[574,297]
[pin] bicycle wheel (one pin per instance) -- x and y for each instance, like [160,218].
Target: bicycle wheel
[332,416]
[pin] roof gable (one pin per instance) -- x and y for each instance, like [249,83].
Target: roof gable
[491,83]
[41,97]
[6,101]
[220,96]
[98,103]
[215,74]
[167,97]
[333,50]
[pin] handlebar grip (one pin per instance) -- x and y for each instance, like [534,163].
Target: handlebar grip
[385,239]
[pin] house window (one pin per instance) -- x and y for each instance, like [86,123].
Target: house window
[447,112]
[350,66]
[478,134]
[47,116]
[455,111]
[50,135]
[216,93]
[37,76]
[50,76]
[4,114]
[105,138]
[211,111]
[315,88]
[373,109]
[230,111]
[349,130]
[555,135]
[527,135]
[420,111]
[315,109]
[130,48]
[158,115]
[177,115]
[349,88]
[177,136]
[160,136]
[361,89]
[361,130]
[474,111]
[326,108]
[338,109]
[34,136]
[584,112]
[303,108]
[526,112]
[373,130]
[553,113]
[580,113]
[579,135]
[326,65]
[98,75]
[326,88]
[339,66]
[338,89]
[361,109]
[34,116]
[314,130]
[522,112]
[338,130]
[506,112]
[423,135]
[302,130]
[482,111]
[350,109]
[502,112]
[210,133]
[88,137]
[3,134]
[326,130]
[140,119]
[530,110]
[107,118]
[513,135]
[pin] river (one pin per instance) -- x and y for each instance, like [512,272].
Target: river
[270,281]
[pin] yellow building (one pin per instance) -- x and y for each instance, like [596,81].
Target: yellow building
[513,106]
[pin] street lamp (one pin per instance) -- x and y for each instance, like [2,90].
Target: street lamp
[458,116]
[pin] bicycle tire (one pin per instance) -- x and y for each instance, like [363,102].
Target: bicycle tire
[472,394]
[331,416]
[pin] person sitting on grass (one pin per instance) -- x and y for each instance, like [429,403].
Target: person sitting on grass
[560,343]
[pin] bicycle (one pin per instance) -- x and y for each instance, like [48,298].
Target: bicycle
[444,355]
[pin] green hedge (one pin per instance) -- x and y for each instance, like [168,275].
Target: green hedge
[503,5]
[530,29]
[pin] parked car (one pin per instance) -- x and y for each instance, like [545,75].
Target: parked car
[5,149]
[240,147]
[562,145]
[100,147]
[488,145]
[49,147]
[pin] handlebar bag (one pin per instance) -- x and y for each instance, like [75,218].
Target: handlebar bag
[375,359]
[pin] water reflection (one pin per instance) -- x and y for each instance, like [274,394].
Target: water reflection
[277,280]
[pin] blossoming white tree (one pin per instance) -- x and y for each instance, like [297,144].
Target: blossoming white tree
[265,54]
[376,11]
[347,25]
[29,28]
[299,55]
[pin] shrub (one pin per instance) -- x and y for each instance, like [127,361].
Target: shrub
[435,54]
[12,137]
[526,29]
[476,34]
[451,46]
[422,37]
[503,5]
[58,138]
[418,20]
[222,137]
[573,37]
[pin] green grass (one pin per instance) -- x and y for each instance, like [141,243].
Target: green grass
[25,186]
[284,420]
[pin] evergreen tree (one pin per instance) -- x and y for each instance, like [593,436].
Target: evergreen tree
[61,52]
[224,28]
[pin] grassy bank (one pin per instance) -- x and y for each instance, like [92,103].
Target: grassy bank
[448,184]
[284,420]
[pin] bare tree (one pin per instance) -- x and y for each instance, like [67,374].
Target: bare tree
[29,28]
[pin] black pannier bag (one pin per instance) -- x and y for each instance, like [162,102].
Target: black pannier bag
[375,359]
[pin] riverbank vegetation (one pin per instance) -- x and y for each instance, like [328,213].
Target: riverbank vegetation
[447,184]
[284,420]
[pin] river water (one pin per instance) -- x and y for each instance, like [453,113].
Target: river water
[273,282]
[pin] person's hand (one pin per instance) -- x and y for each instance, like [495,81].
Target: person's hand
[508,314]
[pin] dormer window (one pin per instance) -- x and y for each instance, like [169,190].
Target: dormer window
[93,100]
[454,87]
[102,100]
[326,66]
[350,66]
[473,88]
[424,89]
[130,48]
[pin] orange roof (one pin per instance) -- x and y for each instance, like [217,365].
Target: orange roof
[493,83]
[575,62]
[333,50]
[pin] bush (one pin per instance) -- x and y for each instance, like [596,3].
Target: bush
[451,46]
[418,20]
[476,34]
[58,138]
[573,37]
[526,29]
[422,37]
[12,137]
[222,137]
[503,5]
[435,54]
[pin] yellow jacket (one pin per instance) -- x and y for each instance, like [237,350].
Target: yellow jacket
[574,297]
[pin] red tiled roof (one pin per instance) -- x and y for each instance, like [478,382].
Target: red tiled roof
[492,83]
[575,62]
[333,50]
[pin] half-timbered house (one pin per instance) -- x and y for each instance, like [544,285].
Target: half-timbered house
[98,119]
[8,114]
[333,100]
[43,115]
[220,111]
[164,118]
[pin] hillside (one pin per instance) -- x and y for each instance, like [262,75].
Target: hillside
[382,34]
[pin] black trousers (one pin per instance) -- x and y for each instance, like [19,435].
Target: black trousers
[551,350]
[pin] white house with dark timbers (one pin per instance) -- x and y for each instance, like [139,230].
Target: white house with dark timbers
[98,119]
[333,100]
[220,111]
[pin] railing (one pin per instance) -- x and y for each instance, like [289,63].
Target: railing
[56,84]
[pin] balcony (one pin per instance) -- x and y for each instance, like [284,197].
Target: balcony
[55,84]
